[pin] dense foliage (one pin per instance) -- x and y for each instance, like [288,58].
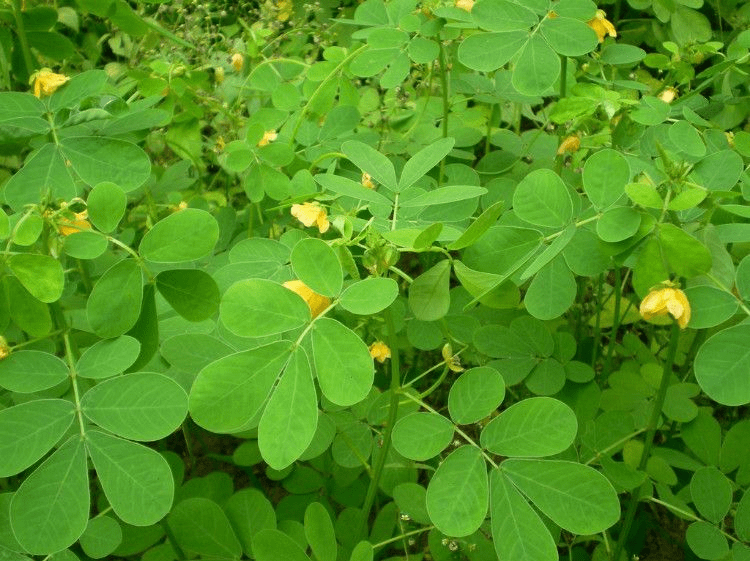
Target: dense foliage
[375,280]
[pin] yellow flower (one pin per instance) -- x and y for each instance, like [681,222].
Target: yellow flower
[268,138]
[664,301]
[380,351]
[451,361]
[238,62]
[668,95]
[285,10]
[5,349]
[46,82]
[602,26]
[312,213]
[466,5]
[315,301]
[367,181]
[218,75]
[569,144]
[79,223]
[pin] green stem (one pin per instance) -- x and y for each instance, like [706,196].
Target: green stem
[446,105]
[674,339]
[563,76]
[615,321]
[597,324]
[320,88]
[172,540]
[22,39]
[387,433]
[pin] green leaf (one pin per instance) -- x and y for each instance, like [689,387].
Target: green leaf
[85,244]
[96,159]
[102,536]
[29,430]
[503,15]
[429,297]
[43,177]
[78,88]
[543,200]
[423,161]
[144,406]
[193,351]
[316,265]
[444,195]
[719,171]
[721,366]
[686,256]
[41,275]
[605,175]
[291,416]
[146,328]
[191,292]
[710,306]
[576,497]
[249,512]
[486,52]
[115,302]
[349,188]
[21,116]
[137,480]
[421,436]
[711,492]
[552,292]
[568,36]
[651,111]
[50,510]
[28,313]
[371,161]
[458,493]
[320,533]
[706,541]
[491,290]
[201,527]
[518,532]
[533,427]
[369,296]
[502,249]
[108,358]
[742,517]
[259,250]
[552,251]
[475,394]
[230,391]
[273,545]
[363,551]
[618,223]
[537,68]
[186,235]
[478,227]
[411,499]
[31,371]
[342,362]
[106,204]
[684,136]
[258,307]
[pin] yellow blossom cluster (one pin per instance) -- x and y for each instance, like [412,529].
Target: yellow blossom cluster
[46,82]
[66,226]
[316,302]
[268,138]
[238,62]
[453,362]
[312,213]
[380,351]
[5,349]
[569,144]
[602,26]
[466,5]
[367,181]
[666,301]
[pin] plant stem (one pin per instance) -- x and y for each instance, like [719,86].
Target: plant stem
[446,105]
[597,325]
[615,322]
[387,433]
[563,76]
[674,338]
